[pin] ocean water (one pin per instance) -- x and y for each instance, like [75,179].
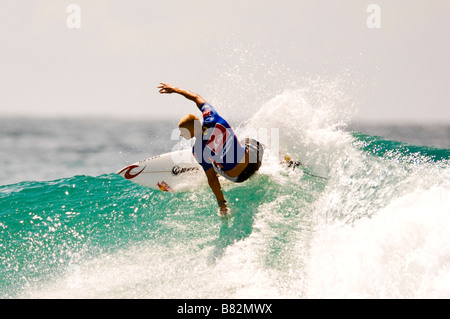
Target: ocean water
[374,226]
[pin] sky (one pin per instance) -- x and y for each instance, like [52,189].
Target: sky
[393,62]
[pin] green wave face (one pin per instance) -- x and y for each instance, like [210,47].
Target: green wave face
[380,146]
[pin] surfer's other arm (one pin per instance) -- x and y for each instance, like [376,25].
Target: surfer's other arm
[169,89]
[214,183]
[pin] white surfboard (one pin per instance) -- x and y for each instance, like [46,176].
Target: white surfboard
[178,171]
[171,172]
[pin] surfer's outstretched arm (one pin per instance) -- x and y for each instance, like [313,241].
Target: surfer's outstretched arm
[169,89]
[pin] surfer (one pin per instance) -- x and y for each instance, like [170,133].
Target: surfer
[217,148]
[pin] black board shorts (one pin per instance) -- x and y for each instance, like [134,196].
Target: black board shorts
[255,152]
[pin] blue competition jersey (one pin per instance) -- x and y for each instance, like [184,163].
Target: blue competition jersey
[218,144]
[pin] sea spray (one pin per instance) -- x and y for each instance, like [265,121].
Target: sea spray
[310,133]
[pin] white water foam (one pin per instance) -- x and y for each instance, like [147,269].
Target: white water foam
[382,229]
[403,251]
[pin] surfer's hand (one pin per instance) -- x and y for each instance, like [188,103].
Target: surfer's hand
[224,211]
[166,88]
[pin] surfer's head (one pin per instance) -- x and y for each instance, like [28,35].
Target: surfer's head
[189,126]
